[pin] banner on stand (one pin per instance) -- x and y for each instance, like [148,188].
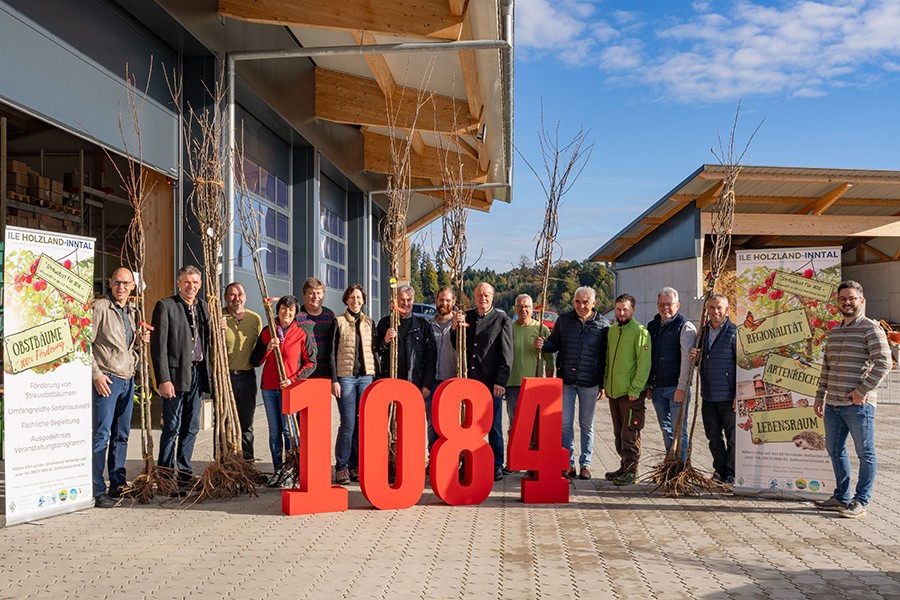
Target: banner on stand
[47,373]
[786,305]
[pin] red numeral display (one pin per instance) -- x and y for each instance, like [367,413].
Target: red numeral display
[540,406]
[312,399]
[462,438]
[374,444]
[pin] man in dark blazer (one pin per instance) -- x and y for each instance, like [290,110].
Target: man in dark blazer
[489,357]
[179,349]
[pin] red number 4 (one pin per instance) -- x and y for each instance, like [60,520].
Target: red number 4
[540,408]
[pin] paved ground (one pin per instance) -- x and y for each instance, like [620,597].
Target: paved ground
[606,543]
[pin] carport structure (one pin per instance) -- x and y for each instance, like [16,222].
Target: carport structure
[776,207]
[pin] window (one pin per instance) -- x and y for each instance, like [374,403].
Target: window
[269,195]
[376,268]
[333,249]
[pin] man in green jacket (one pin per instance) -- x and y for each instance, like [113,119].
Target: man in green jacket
[627,368]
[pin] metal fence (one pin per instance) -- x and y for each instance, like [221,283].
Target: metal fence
[889,390]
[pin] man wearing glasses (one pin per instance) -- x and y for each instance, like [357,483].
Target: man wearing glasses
[671,339]
[857,359]
[113,364]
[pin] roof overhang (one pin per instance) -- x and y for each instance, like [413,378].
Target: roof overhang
[471,94]
[780,206]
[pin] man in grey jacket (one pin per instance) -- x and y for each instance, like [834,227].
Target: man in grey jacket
[114,360]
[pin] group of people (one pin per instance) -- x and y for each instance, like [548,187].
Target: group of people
[624,361]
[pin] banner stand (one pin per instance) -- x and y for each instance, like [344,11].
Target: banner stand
[47,409]
[786,305]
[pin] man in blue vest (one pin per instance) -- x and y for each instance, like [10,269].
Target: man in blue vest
[672,336]
[718,386]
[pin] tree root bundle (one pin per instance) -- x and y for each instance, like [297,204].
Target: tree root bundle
[151,481]
[228,476]
[675,478]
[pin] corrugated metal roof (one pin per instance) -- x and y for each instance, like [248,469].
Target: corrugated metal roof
[768,190]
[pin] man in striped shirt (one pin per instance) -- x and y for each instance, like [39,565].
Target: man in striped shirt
[857,359]
[317,320]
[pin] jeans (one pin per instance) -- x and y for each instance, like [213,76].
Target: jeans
[495,436]
[181,423]
[667,414]
[718,424]
[346,446]
[279,432]
[512,400]
[244,387]
[587,403]
[859,422]
[431,433]
[112,424]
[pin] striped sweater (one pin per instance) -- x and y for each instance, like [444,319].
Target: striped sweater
[857,357]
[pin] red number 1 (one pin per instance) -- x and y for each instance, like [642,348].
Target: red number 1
[315,494]
[540,406]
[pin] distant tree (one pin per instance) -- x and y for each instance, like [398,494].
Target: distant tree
[415,275]
[429,276]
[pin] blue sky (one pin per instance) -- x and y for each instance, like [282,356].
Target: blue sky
[656,81]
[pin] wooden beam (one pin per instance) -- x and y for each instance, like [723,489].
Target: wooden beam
[404,18]
[377,158]
[376,63]
[836,178]
[360,101]
[423,221]
[710,195]
[469,66]
[797,200]
[457,7]
[876,252]
[809,225]
[823,203]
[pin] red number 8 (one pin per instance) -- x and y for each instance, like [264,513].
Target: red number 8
[466,439]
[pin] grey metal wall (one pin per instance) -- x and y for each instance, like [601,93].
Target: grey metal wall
[60,79]
[676,239]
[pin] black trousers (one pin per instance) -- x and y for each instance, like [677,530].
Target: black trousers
[718,423]
[245,388]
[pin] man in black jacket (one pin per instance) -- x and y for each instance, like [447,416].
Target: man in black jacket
[580,338]
[489,356]
[416,350]
[179,348]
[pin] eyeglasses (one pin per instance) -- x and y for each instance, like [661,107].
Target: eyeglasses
[665,304]
[848,299]
[121,283]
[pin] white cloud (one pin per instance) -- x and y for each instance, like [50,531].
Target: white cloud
[794,48]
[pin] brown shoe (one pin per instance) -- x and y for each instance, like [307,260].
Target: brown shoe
[585,472]
[571,473]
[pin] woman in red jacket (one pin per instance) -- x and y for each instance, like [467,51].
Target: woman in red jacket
[298,354]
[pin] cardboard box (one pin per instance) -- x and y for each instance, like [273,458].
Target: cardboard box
[36,181]
[39,193]
[13,178]
[56,186]
[17,166]
[56,198]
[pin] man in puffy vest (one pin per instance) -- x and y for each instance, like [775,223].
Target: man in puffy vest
[718,386]
[627,369]
[580,338]
[672,336]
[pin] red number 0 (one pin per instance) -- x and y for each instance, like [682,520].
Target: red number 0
[466,439]
[540,405]
[374,444]
[312,399]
